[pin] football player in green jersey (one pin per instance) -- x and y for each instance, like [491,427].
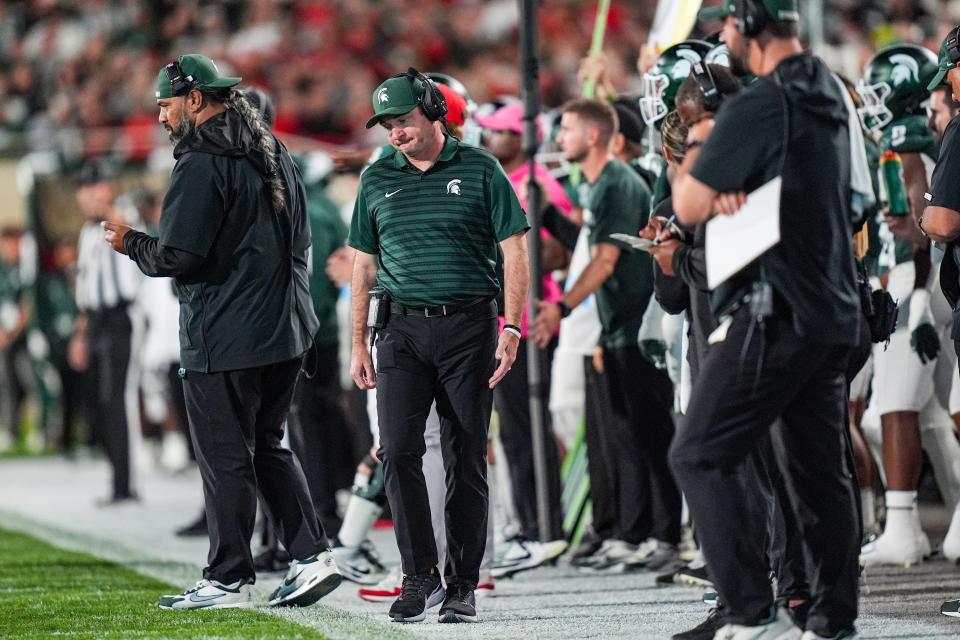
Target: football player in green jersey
[894,92]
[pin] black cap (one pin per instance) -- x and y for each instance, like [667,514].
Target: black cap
[96,170]
[631,121]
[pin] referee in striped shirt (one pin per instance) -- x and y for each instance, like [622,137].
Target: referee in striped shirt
[428,221]
[105,335]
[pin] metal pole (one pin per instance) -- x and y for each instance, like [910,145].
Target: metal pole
[529,49]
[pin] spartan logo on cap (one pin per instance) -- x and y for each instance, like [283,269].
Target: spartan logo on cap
[382,96]
[905,69]
[454,187]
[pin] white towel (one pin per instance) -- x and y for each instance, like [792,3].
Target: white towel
[860,182]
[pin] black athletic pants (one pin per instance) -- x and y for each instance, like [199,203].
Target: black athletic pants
[733,405]
[512,400]
[319,434]
[109,335]
[600,457]
[637,438]
[448,359]
[236,421]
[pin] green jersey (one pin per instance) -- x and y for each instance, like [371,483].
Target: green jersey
[619,202]
[436,232]
[12,291]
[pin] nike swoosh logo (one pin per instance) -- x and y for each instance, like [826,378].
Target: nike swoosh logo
[289,581]
[195,598]
[393,193]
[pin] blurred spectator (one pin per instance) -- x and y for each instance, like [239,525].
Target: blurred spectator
[15,309]
[56,315]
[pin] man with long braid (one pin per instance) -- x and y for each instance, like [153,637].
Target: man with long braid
[235,235]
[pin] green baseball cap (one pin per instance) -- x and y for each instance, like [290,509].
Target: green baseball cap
[192,71]
[778,10]
[717,12]
[946,59]
[394,97]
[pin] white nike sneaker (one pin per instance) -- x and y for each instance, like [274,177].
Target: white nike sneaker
[951,543]
[614,553]
[387,590]
[781,627]
[891,549]
[524,555]
[355,567]
[850,634]
[210,594]
[307,581]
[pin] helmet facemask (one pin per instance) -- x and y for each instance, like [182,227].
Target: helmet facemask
[652,106]
[874,114]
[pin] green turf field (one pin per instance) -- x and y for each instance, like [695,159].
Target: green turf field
[48,592]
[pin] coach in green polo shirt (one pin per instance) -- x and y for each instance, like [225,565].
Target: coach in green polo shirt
[428,221]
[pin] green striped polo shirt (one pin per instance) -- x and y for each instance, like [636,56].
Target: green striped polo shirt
[436,231]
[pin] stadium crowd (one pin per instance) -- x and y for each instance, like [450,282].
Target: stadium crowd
[90,355]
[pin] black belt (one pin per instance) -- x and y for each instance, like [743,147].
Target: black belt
[436,312]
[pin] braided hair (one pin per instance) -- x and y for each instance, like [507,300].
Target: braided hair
[266,143]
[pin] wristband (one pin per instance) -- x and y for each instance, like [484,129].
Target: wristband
[565,310]
[512,328]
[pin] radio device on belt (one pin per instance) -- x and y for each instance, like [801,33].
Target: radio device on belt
[378,313]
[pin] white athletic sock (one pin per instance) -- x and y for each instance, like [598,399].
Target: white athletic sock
[868,509]
[903,519]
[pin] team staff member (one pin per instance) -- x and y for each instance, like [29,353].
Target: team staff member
[943,108]
[633,445]
[793,319]
[427,220]
[941,218]
[234,233]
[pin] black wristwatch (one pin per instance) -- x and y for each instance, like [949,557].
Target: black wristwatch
[564,309]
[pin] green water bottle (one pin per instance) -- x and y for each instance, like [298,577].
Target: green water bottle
[891,168]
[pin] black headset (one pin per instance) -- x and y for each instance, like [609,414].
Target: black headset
[750,17]
[178,81]
[953,46]
[707,86]
[429,97]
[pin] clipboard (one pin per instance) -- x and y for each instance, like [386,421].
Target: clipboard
[735,241]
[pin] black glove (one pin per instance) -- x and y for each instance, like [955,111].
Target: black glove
[925,342]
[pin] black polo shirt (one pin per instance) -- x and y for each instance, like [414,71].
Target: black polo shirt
[945,192]
[812,267]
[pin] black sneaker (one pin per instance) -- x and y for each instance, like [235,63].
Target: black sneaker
[705,630]
[271,560]
[589,545]
[693,577]
[411,606]
[951,608]
[459,605]
[196,528]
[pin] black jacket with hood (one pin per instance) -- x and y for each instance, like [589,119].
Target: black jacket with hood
[240,268]
[811,269]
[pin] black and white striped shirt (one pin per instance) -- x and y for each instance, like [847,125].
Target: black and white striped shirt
[105,278]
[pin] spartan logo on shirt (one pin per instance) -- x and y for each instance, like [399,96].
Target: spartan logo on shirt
[454,187]
[905,69]
[382,96]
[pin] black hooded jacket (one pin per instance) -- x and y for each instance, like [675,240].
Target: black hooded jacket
[811,269]
[240,268]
